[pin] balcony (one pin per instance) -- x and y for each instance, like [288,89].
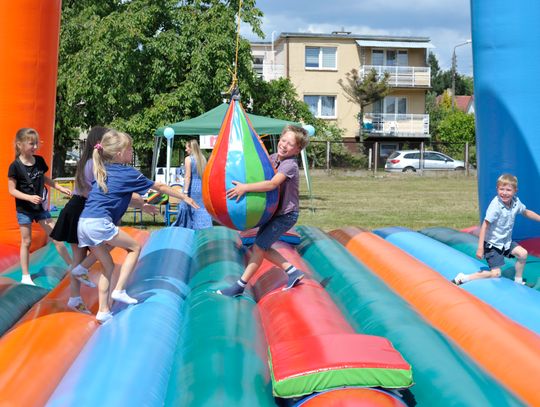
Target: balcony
[396,125]
[402,76]
[269,71]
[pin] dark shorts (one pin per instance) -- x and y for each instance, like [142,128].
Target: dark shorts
[65,229]
[25,218]
[495,257]
[270,232]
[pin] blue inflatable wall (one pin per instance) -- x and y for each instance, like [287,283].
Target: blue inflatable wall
[506,59]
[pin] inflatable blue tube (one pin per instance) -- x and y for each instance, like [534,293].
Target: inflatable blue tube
[134,351]
[506,59]
[517,302]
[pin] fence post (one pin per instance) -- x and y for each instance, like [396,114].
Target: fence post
[370,158]
[422,149]
[375,157]
[327,155]
[467,158]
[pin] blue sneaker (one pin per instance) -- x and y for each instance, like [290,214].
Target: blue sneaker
[294,278]
[234,290]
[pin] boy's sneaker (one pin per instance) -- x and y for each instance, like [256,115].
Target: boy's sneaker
[520,281]
[82,275]
[460,279]
[27,279]
[234,290]
[103,317]
[79,306]
[293,279]
[122,296]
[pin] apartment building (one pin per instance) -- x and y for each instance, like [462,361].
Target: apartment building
[316,62]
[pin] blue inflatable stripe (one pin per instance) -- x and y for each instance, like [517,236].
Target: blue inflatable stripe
[169,238]
[517,302]
[135,349]
[384,232]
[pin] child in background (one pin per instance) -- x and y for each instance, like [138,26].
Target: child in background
[293,139]
[26,182]
[495,239]
[106,204]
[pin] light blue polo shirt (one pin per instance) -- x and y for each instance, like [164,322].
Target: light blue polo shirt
[501,220]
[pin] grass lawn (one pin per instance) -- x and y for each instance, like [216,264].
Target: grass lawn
[362,199]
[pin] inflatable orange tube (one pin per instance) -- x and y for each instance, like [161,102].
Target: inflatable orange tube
[29,35]
[36,354]
[508,351]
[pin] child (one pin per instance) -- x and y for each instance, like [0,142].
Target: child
[495,239]
[106,204]
[26,182]
[65,229]
[293,139]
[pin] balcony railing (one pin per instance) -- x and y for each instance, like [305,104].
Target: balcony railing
[269,71]
[396,125]
[402,76]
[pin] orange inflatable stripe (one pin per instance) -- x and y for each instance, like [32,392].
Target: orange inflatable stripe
[508,351]
[353,398]
[36,354]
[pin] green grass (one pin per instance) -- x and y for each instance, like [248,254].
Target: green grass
[364,200]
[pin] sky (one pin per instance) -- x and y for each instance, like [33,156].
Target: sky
[446,22]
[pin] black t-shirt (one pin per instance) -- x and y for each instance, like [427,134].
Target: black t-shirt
[36,174]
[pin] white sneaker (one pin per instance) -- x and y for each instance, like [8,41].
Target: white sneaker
[27,279]
[82,275]
[460,279]
[103,317]
[122,296]
[79,306]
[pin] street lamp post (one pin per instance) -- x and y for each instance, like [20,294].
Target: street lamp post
[454,67]
[273,55]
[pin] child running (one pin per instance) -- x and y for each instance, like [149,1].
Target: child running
[495,238]
[26,182]
[107,202]
[293,139]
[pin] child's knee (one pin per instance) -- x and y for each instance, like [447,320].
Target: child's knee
[26,241]
[495,273]
[135,248]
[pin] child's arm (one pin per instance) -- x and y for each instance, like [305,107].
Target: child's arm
[12,189]
[165,189]
[531,215]
[187,174]
[55,185]
[240,189]
[481,239]
[137,201]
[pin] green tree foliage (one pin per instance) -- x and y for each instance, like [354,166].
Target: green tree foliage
[442,80]
[139,64]
[456,129]
[364,91]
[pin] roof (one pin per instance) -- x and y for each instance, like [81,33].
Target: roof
[463,102]
[210,123]
[355,37]
[394,44]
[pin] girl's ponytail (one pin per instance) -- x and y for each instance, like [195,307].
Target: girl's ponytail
[100,173]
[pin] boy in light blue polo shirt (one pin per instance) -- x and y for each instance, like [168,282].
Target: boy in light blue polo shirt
[495,239]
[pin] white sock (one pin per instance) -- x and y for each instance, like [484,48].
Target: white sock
[27,279]
[74,301]
[291,269]
[518,279]
[78,270]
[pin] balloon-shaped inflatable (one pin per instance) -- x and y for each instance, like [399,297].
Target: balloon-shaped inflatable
[238,155]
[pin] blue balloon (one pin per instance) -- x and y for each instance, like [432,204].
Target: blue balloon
[310,129]
[168,133]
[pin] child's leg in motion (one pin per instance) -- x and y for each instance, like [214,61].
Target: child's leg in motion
[75,301]
[463,278]
[104,257]
[293,274]
[521,258]
[125,241]
[26,241]
[48,225]
[256,257]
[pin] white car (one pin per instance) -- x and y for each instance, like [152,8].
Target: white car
[72,158]
[409,161]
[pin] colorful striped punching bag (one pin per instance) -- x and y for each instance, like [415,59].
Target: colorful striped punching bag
[238,155]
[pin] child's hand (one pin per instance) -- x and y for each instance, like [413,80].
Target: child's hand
[191,202]
[237,191]
[35,199]
[64,190]
[480,253]
[150,209]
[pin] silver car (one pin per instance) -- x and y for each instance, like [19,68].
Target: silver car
[409,161]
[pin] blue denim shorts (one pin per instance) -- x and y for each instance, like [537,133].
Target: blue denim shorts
[270,232]
[495,257]
[25,218]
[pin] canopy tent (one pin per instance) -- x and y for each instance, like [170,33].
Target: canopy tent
[210,123]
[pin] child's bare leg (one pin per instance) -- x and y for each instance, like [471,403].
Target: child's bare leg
[104,257]
[47,225]
[521,258]
[493,273]
[26,241]
[78,256]
[125,241]
[293,274]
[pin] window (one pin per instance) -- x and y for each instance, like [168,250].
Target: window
[391,105]
[321,57]
[389,57]
[321,106]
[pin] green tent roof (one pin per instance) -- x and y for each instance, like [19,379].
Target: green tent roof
[210,123]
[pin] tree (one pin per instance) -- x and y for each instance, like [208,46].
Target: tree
[442,80]
[139,64]
[456,129]
[364,91]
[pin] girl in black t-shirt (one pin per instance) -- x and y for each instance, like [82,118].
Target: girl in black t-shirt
[26,182]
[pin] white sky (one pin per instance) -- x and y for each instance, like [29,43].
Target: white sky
[445,22]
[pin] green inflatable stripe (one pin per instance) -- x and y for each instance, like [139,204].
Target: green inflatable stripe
[443,374]
[220,358]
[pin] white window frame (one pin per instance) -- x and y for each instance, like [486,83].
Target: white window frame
[385,59]
[320,67]
[318,114]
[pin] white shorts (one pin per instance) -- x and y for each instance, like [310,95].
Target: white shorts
[94,231]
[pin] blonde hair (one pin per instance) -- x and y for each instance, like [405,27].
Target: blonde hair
[112,143]
[94,137]
[300,135]
[199,156]
[22,135]
[507,179]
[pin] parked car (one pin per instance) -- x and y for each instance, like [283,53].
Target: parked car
[72,158]
[409,161]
